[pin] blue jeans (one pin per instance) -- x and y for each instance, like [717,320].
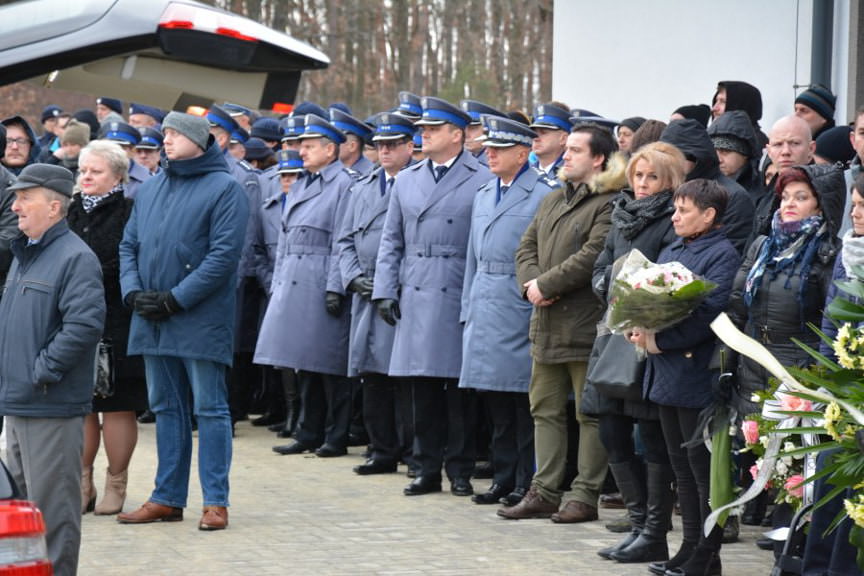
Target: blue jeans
[178,388]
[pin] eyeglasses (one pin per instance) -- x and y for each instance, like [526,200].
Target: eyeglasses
[390,144]
[20,142]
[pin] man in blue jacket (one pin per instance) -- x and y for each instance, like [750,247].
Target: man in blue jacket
[178,270]
[53,311]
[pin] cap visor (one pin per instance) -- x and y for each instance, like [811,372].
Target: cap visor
[380,137]
[429,122]
[498,144]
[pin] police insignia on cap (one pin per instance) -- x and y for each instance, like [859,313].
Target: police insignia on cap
[114,126]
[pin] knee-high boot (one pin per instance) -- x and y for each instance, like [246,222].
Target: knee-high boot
[651,545]
[631,484]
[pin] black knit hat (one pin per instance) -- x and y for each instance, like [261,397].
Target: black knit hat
[819,99]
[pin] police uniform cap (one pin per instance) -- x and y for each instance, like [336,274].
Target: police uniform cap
[257,149]
[121,132]
[151,138]
[50,111]
[293,127]
[112,103]
[288,162]
[580,116]
[437,111]
[348,124]
[501,132]
[551,117]
[307,107]
[239,136]
[151,111]
[475,109]
[409,105]
[218,117]
[267,129]
[392,126]
[235,110]
[317,127]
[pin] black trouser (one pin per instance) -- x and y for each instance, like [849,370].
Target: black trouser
[692,468]
[616,433]
[444,422]
[405,422]
[512,438]
[325,411]
[380,413]
[244,379]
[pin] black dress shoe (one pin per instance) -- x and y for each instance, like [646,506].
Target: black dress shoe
[461,487]
[267,420]
[276,426]
[375,467]
[495,493]
[329,451]
[293,448]
[514,497]
[423,485]
[147,417]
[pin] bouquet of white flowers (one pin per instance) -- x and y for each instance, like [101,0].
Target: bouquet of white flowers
[653,296]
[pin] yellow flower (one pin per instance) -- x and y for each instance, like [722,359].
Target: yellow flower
[855,512]
[849,431]
[832,416]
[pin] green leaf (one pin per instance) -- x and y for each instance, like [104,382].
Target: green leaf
[821,358]
[812,449]
[856,538]
[803,430]
[852,287]
[845,311]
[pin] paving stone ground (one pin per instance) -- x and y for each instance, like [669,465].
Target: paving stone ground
[302,515]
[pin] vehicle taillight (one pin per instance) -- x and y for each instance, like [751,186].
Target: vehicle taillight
[188,17]
[282,108]
[22,540]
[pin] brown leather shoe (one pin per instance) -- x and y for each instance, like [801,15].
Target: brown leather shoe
[214,518]
[532,506]
[574,512]
[151,512]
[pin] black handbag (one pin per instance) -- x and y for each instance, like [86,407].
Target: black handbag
[104,386]
[615,368]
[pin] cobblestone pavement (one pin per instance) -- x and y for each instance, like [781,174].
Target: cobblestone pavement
[304,515]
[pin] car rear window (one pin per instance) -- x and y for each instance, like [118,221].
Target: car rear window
[22,22]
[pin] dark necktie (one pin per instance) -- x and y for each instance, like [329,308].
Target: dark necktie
[311,178]
[501,191]
[390,182]
[439,172]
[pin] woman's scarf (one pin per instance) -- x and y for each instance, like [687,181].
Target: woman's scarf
[852,253]
[632,215]
[89,203]
[789,244]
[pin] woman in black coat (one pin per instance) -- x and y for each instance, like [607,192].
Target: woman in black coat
[98,214]
[679,375]
[641,220]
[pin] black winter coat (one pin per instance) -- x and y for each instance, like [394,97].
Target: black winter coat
[651,240]
[102,230]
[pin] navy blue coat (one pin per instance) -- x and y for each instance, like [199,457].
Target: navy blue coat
[421,263]
[185,235]
[371,338]
[496,352]
[680,375]
[297,332]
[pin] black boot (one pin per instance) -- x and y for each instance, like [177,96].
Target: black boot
[684,553]
[292,402]
[651,544]
[705,560]
[632,487]
[755,510]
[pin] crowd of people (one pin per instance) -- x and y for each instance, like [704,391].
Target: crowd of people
[426,282]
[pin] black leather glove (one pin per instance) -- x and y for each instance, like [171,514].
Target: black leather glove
[333,301]
[362,285]
[130,298]
[389,311]
[156,306]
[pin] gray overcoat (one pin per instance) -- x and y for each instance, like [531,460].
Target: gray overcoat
[297,332]
[421,262]
[496,352]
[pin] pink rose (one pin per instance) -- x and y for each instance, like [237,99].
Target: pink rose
[795,486]
[750,428]
[754,471]
[795,404]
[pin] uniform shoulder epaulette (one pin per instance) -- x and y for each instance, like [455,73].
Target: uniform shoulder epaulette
[351,172]
[246,166]
[416,166]
[370,176]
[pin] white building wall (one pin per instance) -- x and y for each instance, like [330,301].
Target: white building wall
[623,58]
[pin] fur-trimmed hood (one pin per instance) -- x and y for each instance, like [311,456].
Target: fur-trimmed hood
[612,179]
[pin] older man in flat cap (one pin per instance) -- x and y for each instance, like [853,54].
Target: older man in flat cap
[52,312]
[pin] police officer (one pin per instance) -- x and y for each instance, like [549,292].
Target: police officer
[292,129]
[244,377]
[280,385]
[371,340]
[307,292]
[244,116]
[148,149]
[496,356]
[474,131]
[128,137]
[351,152]
[106,105]
[418,285]
[143,116]
[552,125]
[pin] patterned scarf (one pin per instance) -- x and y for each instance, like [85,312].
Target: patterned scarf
[89,203]
[852,253]
[632,215]
[789,244]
